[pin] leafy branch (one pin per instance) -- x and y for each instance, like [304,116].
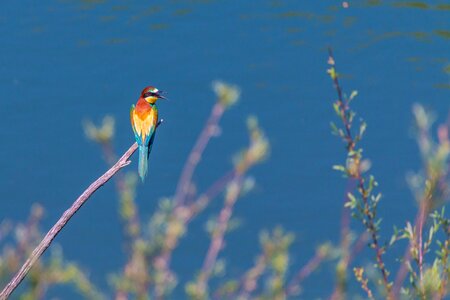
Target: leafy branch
[364,205]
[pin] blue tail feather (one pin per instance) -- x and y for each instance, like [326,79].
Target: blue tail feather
[143,161]
[144,152]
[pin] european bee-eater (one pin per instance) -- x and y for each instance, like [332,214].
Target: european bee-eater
[144,118]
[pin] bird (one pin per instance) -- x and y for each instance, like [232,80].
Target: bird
[144,120]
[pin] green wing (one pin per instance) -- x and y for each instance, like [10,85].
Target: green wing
[131,119]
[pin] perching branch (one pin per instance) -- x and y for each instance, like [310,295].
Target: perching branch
[68,214]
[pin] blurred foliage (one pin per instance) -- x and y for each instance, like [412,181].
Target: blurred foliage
[101,134]
[427,271]
[150,242]
[18,240]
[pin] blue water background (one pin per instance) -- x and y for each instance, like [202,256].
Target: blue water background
[65,61]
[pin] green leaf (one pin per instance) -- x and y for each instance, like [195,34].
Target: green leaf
[337,108]
[334,128]
[332,72]
[351,116]
[352,202]
[377,224]
[353,95]
[340,168]
[362,129]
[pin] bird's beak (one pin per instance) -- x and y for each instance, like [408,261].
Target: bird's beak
[161,96]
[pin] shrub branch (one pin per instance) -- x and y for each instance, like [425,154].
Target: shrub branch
[354,170]
[68,214]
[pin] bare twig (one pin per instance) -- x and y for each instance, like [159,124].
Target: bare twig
[345,244]
[218,234]
[215,189]
[403,270]
[208,131]
[68,214]
[185,214]
[305,271]
[162,261]
[357,247]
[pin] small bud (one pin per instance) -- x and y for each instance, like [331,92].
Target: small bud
[227,94]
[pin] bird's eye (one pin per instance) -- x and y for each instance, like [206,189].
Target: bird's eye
[150,94]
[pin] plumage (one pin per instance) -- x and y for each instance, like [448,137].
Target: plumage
[144,118]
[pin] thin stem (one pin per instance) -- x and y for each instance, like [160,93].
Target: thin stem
[420,225]
[342,266]
[358,246]
[184,183]
[215,189]
[403,270]
[343,106]
[185,214]
[357,175]
[250,281]
[209,130]
[373,231]
[68,214]
[219,233]
[305,271]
